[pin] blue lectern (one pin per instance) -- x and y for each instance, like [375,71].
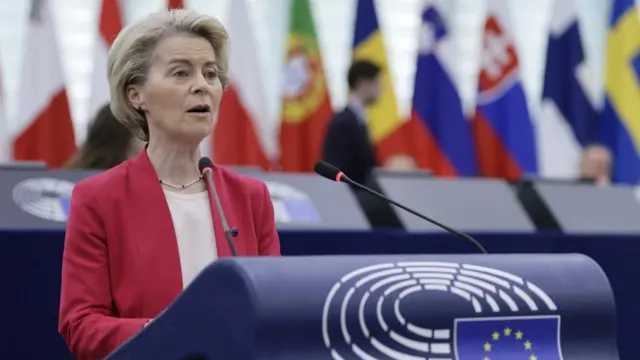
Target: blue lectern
[435,307]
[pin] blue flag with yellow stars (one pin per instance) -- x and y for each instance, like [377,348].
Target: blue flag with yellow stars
[508,338]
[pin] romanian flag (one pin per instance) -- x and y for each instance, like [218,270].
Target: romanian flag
[621,114]
[385,125]
[306,104]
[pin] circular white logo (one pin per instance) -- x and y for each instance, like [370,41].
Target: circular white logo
[363,314]
[46,198]
[291,204]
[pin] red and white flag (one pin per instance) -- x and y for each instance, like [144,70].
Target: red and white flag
[175,4]
[42,129]
[109,27]
[243,135]
[5,155]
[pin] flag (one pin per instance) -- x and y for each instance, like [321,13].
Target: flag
[242,132]
[43,129]
[508,338]
[568,121]
[621,113]
[306,104]
[5,154]
[384,123]
[441,135]
[175,4]
[109,27]
[502,127]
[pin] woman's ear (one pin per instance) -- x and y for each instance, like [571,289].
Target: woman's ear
[136,97]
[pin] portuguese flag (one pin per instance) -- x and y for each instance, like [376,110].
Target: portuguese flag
[306,104]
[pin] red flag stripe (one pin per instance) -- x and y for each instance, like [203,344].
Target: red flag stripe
[49,137]
[176,4]
[110,20]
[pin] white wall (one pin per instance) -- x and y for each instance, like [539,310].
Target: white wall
[77,27]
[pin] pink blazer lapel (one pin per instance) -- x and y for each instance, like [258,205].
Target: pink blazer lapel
[221,189]
[149,213]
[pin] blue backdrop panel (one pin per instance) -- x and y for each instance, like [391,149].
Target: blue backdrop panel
[388,307]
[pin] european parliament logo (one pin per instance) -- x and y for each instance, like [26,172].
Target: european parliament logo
[45,198]
[291,205]
[508,338]
[439,311]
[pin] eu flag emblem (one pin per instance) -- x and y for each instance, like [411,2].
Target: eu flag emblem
[508,338]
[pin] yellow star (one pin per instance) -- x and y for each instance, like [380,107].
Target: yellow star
[487,347]
[495,336]
[488,358]
[519,335]
[507,332]
[527,345]
[533,357]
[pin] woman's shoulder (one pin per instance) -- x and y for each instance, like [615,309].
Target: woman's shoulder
[104,181]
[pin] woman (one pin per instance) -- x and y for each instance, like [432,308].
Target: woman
[139,233]
[108,143]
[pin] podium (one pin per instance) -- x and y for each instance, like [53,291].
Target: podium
[434,307]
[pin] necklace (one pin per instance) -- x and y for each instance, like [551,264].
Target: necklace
[181,186]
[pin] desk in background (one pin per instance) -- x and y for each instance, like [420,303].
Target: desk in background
[35,206]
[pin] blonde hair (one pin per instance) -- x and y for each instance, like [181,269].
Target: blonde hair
[131,53]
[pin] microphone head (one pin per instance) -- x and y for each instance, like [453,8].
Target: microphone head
[204,163]
[328,171]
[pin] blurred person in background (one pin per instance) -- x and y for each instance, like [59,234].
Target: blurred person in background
[347,144]
[108,143]
[595,166]
[140,232]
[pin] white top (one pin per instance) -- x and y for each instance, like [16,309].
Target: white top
[192,221]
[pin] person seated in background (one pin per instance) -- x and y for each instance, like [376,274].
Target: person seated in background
[347,144]
[595,166]
[108,143]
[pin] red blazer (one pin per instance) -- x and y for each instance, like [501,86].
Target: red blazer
[121,265]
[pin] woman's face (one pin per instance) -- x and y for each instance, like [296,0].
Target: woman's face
[182,91]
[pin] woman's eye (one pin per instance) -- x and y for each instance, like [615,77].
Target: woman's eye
[180,73]
[211,74]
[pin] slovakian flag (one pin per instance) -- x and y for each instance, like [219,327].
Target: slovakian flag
[306,106]
[568,120]
[109,27]
[508,338]
[243,134]
[503,129]
[43,128]
[441,136]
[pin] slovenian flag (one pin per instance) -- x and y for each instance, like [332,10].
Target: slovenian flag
[442,139]
[568,120]
[502,126]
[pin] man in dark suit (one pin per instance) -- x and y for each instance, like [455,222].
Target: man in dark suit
[347,144]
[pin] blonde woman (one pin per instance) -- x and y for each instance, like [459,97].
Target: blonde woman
[140,232]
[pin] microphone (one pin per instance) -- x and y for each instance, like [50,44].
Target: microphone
[331,172]
[205,165]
